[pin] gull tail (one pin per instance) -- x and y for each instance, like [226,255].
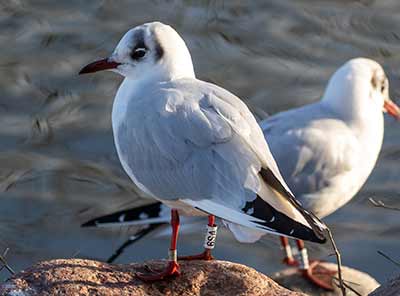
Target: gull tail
[274,210]
[284,207]
[155,213]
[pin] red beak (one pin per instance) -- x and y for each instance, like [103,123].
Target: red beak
[390,107]
[104,64]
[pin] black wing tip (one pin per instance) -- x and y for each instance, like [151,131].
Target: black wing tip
[316,238]
[318,233]
[303,233]
[281,223]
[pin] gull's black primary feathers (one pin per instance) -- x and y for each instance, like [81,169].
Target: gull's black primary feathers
[318,226]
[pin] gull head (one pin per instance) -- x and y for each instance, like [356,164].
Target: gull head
[150,51]
[360,89]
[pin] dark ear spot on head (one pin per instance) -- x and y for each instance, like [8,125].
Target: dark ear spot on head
[374,80]
[159,51]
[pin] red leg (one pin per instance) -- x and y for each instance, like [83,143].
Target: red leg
[289,260]
[208,244]
[314,272]
[172,268]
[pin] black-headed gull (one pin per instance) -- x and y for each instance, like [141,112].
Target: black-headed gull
[325,151]
[195,146]
[331,147]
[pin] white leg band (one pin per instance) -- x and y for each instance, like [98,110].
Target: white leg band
[209,242]
[172,256]
[303,259]
[288,251]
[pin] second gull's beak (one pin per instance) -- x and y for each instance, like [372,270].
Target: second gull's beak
[391,108]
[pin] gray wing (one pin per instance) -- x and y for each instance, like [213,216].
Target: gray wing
[205,148]
[317,155]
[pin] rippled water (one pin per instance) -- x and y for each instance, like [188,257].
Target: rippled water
[58,166]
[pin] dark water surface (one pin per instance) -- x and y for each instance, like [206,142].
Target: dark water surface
[58,166]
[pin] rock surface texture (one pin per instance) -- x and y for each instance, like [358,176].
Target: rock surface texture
[86,277]
[357,280]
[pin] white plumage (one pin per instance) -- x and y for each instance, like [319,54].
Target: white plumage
[193,145]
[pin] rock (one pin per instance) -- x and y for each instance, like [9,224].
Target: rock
[361,282]
[86,277]
[390,288]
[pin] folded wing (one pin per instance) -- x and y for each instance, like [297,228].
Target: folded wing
[205,148]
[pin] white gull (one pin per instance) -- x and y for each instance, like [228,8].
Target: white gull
[195,146]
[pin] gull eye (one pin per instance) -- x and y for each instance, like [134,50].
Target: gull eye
[384,85]
[138,53]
